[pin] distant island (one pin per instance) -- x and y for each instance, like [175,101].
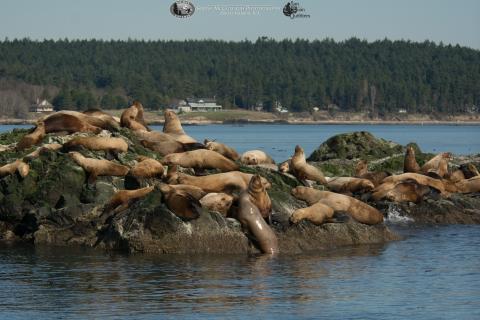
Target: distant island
[353,80]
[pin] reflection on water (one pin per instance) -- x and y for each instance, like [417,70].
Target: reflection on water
[434,273]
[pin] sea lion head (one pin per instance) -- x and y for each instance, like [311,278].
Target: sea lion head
[361,167]
[170,115]
[299,192]
[250,159]
[447,155]
[23,168]
[171,159]
[256,184]
[299,150]
[75,155]
[366,185]
[284,166]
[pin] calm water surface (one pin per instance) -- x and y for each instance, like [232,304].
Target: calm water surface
[433,274]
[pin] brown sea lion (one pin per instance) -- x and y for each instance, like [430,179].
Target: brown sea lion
[251,220]
[469,170]
[223,149]
[173,127]
[32,138]
[317,214]
[98,144]
[195,192]
[419,178]
[94,122]
[66,122]
[255,157]
[361,171]
[221,182]
[200,159]
[122,199]
[455,176]
[349,185]
[132,118]
[410,163]
[468,185]
[304,171]
[147,168]
[113,122]
[181,203]
[359,210]
[361,168]
[96,167]
[437,165]
[218,202]
[163,143]
[407,191]
[16,166]
[259,197]
[284,167]
[35,154]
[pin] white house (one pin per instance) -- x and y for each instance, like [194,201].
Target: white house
[41,106]
[198,105]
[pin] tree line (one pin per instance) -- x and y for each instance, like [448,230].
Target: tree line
[353,75]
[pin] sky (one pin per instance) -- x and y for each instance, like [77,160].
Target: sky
[448,21]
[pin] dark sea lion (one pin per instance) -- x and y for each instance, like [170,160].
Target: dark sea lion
[251,219]
[181,203]
[218,202]
[223,149]
[256,157]
[349,185]
[410,163]
[173,127]
[221,182]
[16,166]
[96,167]
[201,159]
[147,168]
[32,138]
[109,144]
[122,199]
[304,171]
[317,214]
[469,170]
[259,197]
[357,209]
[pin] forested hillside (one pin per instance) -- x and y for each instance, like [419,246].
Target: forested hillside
[355,75]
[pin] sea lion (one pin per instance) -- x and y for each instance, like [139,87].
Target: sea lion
[113,122]
[410,163]
[255,157]
[96,167]
[284,167]
[419,178]
[304,171]
[195,192]
[109,144]
[36,153]
[122,199]
[468,185]
[469,170]
[406,191]
[132,118]
[218,202]
[200,159]
[181,203]
[16,166]
[105,123]
[147,168]
[173,127]
[316,213]
[455,176]
[349,185]
[163,143]
[223,149]
[32,138]
[221,182]
[376,177]
[67,122]
[259,197]
[251,219]
[359,210]
[438,164]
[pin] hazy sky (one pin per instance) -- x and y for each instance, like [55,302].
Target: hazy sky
[449,21]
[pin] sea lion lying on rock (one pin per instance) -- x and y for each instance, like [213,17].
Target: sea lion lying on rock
[317,214]
[251,219]
[410,162]
[357,209]
[70,122]
[132,118]
[406,191]
[418,178]
[255,157]
[181,203]
[35,154]
[163,143]
[468,185]
[304,171]
[437,165]
[32,138]
[221,148]
[96,167]
[108,144]
[195,192]
[147,168]
[218,202]
[123,199]
[16,166]
[361,171]
[226,182]
[173,127]
[201,159]
[349,185]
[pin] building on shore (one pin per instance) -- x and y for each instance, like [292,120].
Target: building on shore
[198,105]
[41,106]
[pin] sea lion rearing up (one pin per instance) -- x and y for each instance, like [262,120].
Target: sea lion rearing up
[316,214]
[259,197]
[109,144]
[359,210]
[173,127]
[132,118]
[17,165]
[349,185]
[223,149]
[33,137]
[122,199]
[96,167]
[200,159]
[410,163]
[221,182]
[304,171]
[251,219]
